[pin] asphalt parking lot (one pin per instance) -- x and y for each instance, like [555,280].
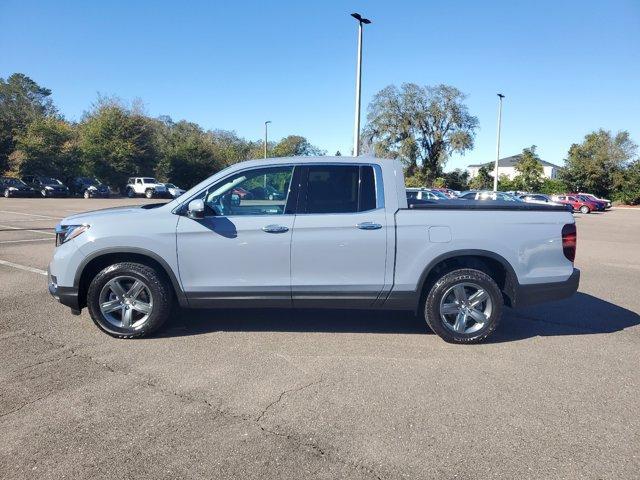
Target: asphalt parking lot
[317,394]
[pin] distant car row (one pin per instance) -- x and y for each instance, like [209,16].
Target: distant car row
[576,202]
[46,187]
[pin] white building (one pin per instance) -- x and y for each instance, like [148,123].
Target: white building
[507,166]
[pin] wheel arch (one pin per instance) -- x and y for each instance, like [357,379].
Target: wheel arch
[95,262]
[491,263]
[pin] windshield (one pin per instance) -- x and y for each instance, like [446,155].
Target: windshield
[50,181]
[89,181]
[170,185]
[149,180]
[439,194]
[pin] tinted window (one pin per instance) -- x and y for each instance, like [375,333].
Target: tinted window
[367,189]
[340,189]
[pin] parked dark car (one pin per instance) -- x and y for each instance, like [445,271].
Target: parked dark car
[89,188]
[47,186]
[14,187]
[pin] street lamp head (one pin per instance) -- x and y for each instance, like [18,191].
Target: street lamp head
[357,16]
[500,95]
[268,121]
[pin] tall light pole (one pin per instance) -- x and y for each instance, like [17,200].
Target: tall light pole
[495,172]
[266,126]
[356,125]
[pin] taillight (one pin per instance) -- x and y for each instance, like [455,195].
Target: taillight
[569,239]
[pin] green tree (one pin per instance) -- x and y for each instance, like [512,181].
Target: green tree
[551,186]
[48,146]
[422,126]
[117,142]
[439,182]
[295,145]
[530,174]
[505,184]
[626,184]
[338,154]
[21,102]
[482,181]
[592,165]
[457,179]
[188,155]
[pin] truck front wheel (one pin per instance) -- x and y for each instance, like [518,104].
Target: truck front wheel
[464,306]
[129,300]
[149,193]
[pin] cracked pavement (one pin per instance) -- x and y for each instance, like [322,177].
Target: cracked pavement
[313,394]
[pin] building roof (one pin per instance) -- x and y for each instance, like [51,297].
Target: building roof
[510,162]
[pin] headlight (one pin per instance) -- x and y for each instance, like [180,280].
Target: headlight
[48,188]
[64,233]
[92,188]
[12,188]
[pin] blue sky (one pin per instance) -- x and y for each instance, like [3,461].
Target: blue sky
[566,68]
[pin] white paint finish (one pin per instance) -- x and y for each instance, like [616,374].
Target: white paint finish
[530,241]
[439,234]
[331,254]
[234,253]
[23,267]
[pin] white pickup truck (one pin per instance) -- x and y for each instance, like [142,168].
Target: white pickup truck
[317,233]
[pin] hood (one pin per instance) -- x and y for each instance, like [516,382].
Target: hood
[97,215]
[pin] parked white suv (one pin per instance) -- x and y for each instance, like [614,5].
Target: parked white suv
[314,233]
[147,186]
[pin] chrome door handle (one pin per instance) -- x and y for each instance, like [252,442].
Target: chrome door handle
[368,226]
[275,228]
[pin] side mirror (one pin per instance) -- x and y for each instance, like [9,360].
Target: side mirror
[195,210]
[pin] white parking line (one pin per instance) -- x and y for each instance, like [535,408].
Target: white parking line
[23,267]
[30,214]
[27,230]
[28,240]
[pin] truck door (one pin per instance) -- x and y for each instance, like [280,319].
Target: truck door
[338,249]
[241,250]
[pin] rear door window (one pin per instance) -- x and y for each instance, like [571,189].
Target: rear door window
[339,189]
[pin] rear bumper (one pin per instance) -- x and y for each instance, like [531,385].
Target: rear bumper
[535,293]
[67,296]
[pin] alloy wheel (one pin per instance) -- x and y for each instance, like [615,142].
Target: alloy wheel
[126,302]
[465,308]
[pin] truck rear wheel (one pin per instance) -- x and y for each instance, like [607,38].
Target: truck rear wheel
[464,306]
[129,300]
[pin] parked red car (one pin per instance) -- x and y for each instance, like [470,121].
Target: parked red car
[577,203]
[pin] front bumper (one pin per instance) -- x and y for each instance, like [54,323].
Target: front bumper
[56,193]
[535,293]
[67,296]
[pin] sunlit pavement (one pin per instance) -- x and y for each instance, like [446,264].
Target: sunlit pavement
[319,394]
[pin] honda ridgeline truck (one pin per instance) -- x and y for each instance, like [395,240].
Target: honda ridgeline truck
[339,235]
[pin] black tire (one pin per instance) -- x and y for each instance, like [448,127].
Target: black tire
[43,192]
[443,285]
[159,289]
[130,193]
[7,193]
[149,193]
[86,194]
[584,209]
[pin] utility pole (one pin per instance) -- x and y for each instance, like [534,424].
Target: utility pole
[266,126]
[356,125]
[495,171]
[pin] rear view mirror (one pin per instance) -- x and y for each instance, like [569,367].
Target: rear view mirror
[195,210]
